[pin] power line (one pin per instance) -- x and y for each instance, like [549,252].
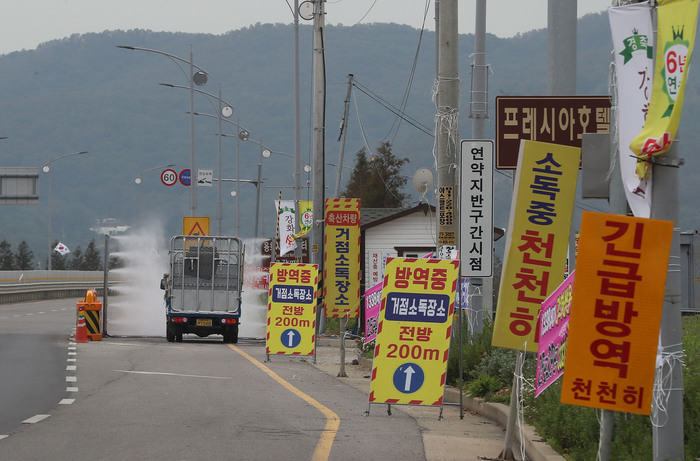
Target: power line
[398,112]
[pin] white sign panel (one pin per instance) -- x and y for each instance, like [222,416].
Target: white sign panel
[205,177]
[476,215]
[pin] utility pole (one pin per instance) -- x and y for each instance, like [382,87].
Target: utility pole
[668,433]
[561,47]
[343,135]
[319,135]
[482,299]
[447,129]
[297,129]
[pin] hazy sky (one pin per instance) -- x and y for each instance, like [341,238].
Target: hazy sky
[24,24]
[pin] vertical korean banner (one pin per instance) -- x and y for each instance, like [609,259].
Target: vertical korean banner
[633,39]
[341,278]
[291,309]
[554,330]
[476,217]
[373,301]
[537,240]
[676,21]
[413,338]
[616,312]
[286,217]
[306,218]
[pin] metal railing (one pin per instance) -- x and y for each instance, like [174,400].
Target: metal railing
[20,286]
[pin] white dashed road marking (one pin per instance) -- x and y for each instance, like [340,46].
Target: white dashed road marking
[35,419]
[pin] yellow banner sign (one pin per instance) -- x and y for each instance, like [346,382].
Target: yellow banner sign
[537,239]
[341,279]
[413,338]
[616,312]
[291,309]
[676,22]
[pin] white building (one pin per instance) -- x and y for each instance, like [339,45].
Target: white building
[394,232]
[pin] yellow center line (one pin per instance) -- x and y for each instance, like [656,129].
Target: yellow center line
[325,443]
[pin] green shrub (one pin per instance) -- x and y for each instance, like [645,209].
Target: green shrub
[691,384]
[500,364]
[484,386]
[365,349]
[333,325]
[474,348]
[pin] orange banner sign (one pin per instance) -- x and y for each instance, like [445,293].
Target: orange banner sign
[616,312]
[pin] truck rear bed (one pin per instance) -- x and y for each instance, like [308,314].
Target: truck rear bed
[204,287]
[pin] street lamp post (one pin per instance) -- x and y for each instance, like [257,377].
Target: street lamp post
[258,184]
[46,168]
[241,135]
[198,78]
[137,180]
[223,111]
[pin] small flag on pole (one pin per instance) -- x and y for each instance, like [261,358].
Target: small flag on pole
[61,248]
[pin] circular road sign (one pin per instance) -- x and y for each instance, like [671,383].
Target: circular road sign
[186,177]
[290,338]
[408,378]
[168,177]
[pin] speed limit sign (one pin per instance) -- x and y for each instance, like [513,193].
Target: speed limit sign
[168,177]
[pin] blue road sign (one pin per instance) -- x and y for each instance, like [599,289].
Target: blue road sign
[186,177]
[290,338]
[408,378]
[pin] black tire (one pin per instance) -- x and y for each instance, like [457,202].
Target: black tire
[169,334]
[231,335]
[178,336]
[234,335]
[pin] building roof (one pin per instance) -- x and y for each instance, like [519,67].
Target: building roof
[370,217]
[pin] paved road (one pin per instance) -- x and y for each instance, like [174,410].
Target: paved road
[142,398]
[33,359]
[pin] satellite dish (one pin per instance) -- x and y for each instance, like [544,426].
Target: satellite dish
[423,180]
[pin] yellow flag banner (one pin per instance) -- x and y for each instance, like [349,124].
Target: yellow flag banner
[676,21]
[306,218]
[537,239]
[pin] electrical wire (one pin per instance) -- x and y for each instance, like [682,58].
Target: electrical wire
[415,123]
[407,92]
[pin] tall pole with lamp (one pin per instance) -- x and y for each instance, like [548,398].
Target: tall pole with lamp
[223,111]
[46,168]
[198,78]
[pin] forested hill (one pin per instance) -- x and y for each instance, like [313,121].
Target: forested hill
[82,93]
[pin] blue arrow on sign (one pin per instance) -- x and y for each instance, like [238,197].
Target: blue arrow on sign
[290,338]
[408,378]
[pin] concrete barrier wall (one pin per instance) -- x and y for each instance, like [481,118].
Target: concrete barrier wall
[20,286]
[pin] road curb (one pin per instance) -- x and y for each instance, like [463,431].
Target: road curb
[535,448]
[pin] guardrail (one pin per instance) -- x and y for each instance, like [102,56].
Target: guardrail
[20,286]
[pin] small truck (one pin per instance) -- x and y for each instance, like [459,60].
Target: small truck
[203,287]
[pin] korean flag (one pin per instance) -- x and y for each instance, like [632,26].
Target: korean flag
[61,248]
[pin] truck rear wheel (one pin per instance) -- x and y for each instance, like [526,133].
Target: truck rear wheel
[231,335]
[169,334]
